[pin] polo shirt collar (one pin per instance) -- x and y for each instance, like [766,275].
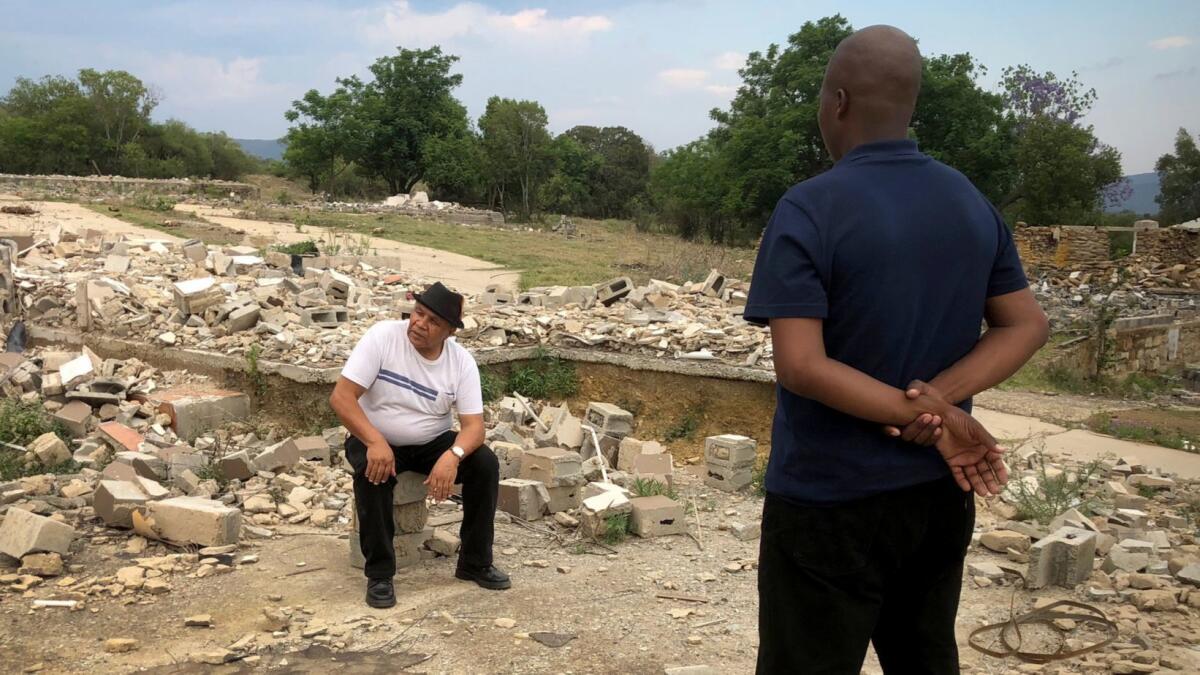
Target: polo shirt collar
[881,150]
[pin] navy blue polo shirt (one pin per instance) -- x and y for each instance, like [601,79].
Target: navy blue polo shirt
[897,253]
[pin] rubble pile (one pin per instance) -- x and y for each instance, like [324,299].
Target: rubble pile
[1072,300]
[1128,545]
[229,299]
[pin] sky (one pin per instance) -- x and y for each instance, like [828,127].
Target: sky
[655,66]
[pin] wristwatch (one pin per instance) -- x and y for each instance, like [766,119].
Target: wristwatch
[458,452]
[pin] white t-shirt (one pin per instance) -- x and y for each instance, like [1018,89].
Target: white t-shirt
[408,397]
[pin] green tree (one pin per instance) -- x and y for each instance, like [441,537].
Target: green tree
[517,152]
[1179,177]
[1062,169]
[407,103]
[960,123]
[572,184]
[120,104]
[454,168]
[45,127]
[623,173]
[320,136]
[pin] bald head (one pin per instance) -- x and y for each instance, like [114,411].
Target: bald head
[870,88]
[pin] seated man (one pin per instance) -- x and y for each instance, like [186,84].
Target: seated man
[394,396]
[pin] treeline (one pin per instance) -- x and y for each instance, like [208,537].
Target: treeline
[404,126]
[99,123]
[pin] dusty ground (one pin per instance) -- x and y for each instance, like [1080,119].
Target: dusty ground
[74,215]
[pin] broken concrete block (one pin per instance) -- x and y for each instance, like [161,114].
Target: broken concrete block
[310,448]
[194,250]
[1064,558]
[1002,540]
[746,532]
[76,418]
[1150,481]
[196,409]
[178,458]
[76,371]
[194,296]
[52,385]
[114,502]
[564,497]
[656,516]
[553,467]
[510,456]
[50,449]
[195,520]
[410,518]
[282,455]
[714,284]
[730,451]
[443,543]
[525,499]
[144,464]
[237,466]
[410,487]
[1120,558]
[243,318]
[23,533]
[609,419]
[658,466]
[727,479]
[116,264]
[595,512]
[613,290]
[42,565]
[119,471]
[187,481]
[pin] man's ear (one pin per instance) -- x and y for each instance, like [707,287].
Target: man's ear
[843,103]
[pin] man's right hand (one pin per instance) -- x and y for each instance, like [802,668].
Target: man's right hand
[381,463]
[974,457]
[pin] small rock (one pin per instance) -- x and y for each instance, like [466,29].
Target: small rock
[199,621]
[505,623]
[120,645]
[1002,540]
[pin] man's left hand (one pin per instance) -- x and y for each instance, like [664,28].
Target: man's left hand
[441,478]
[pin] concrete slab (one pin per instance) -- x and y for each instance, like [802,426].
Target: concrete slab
[1085,445]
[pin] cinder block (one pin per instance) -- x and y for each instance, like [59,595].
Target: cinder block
[730,451]
[658,466]
[511,411]
[564,497]
[410,487]
[613,290]
[195,520]
[551,466]
[609,419]
[729,480]
[657,516]
[410,518]
[595,511]
[324,317]
[509,456]
[243,318]
[197,409]
[114,502]
[609,448]
[282,455]
[1064,558]
[443,543]
[714,284]
[76,418]
[525,499]
[24,532]
[311,448]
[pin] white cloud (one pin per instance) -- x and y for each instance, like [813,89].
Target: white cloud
[721,89]
[186,77]
[683,78]
[1171,42]
[729,61]
[400,22]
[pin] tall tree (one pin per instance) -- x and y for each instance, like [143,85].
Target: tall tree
[407,102]
[622,173]
[1063,172]
[320,137]
[121,107]
[1179,176]
[574,180]
[516,147]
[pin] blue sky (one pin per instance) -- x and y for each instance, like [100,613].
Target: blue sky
[655,66]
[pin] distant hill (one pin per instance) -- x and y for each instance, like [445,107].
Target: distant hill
[262,148]
[1145,189]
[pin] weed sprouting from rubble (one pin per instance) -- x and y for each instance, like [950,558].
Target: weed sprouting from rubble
[1050,492]
[648,487]
[616,528]
[21,422]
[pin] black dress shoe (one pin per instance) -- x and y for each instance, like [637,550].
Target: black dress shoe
[489,577]
[380,594]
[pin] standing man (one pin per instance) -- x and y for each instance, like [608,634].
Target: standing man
[394,396]
[875,278]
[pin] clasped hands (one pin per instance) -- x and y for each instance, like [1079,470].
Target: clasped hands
[974,457]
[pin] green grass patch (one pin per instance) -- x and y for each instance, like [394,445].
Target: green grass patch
[648,487]
[306,247]
[493,385]
[544,377]
[616,528]
[20,424]
[152,219]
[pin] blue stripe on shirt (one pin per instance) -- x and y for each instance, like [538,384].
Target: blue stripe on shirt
[405,385]
[414,384]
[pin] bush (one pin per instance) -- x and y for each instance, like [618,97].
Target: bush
[648,487]
[616,528]
[306,247]
[20,423]
[544,377]
[1054,494]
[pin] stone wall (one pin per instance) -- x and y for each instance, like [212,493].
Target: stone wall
[1064,246]
[1147,345]
[108,187]
[1170,245]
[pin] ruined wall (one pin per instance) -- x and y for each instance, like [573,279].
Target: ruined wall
[1171,246]
[108,187]
[1148,345]
[1063,246]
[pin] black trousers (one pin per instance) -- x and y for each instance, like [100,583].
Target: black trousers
[886,569]
[479,474]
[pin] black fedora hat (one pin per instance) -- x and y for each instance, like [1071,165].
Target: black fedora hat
[443,302]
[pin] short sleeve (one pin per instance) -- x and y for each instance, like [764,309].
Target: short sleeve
[366,359]
[1008,275]
[788,279]
[469,396]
